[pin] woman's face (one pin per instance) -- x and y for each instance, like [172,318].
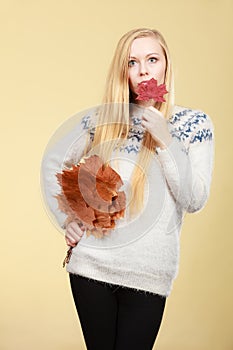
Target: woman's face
[146,61]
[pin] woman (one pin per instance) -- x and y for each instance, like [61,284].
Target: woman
[164,154]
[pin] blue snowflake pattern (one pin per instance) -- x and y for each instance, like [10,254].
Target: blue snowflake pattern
[204,134]
[177,116]
[136,120]
[135,136]
[87,125]
[187,128]
[86,121]
[132,148]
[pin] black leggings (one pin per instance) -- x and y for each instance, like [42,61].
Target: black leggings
[114,317]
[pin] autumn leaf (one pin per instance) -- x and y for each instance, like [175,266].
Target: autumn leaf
[149,89]
[90,195]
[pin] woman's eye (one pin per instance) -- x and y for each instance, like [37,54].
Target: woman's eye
[131,63]
[153,59]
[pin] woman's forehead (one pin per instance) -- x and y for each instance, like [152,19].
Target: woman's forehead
[144,45]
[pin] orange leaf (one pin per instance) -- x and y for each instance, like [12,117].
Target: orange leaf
[89,194]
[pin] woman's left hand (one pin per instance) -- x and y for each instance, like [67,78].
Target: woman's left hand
[155,123]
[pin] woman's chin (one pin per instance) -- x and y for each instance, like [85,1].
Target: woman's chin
[144,103]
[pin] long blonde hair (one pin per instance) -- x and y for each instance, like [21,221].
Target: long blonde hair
[113,125]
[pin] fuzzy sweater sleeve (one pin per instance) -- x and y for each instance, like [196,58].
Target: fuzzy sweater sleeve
[188,166]
[58,156]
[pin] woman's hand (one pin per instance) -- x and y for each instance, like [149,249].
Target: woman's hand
[155,123]
[74,233]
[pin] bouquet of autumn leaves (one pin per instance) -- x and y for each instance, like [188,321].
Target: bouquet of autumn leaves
[91,196]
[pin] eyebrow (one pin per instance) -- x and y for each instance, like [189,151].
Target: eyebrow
[149,54]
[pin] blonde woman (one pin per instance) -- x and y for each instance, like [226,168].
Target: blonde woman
[164,154]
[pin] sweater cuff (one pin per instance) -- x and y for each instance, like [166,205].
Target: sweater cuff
[172,152]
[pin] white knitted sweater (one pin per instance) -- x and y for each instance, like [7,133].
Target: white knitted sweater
[141,253]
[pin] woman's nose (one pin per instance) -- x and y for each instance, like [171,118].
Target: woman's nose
[143,70]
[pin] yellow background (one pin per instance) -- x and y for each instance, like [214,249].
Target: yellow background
[54,60]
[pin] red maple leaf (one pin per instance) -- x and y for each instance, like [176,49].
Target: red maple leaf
[149,89]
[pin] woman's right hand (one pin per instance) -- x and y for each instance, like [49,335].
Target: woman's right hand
[73,233]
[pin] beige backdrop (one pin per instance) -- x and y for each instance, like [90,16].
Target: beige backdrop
[54,60]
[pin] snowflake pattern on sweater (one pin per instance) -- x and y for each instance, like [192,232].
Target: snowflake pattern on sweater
[187,126]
